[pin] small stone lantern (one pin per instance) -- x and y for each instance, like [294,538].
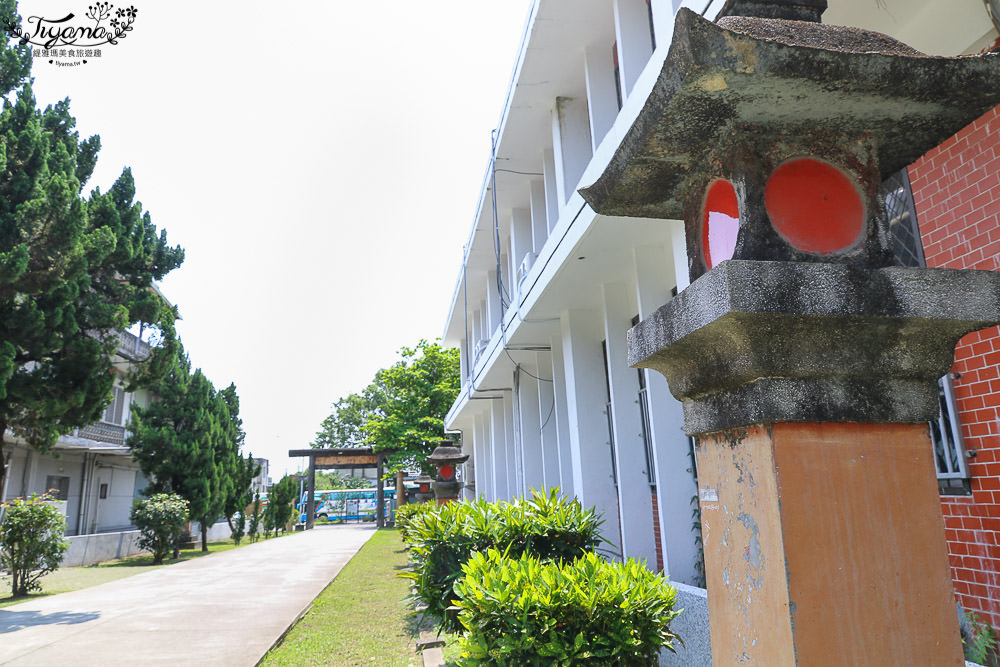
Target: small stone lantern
[424,492]
[447,457]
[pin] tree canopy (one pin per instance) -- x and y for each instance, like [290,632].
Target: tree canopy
[74,270]
[402,411]
[188,442]
[331,480]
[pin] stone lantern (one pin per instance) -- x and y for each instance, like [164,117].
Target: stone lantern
[805,361]
[447,457]
[424,492]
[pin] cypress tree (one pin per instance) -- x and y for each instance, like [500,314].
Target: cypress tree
[74,271]
[188,442]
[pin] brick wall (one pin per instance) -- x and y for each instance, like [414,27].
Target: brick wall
[656,534]
[956,189]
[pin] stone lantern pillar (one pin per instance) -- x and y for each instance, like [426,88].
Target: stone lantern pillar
[424,492]
[805,361]
[447,457]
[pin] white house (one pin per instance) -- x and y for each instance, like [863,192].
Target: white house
[90,469]
[547,289]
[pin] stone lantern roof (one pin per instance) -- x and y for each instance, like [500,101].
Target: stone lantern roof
[446,453]
[772,78]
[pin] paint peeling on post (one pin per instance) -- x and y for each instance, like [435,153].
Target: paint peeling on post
[805,360]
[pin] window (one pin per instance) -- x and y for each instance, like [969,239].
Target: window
[652,32]
[946,431]
[647,430]
[618,75]
[58,486]
[115,411]
[103,492]
[608,411]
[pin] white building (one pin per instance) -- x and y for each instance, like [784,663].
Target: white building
[547,288]
[91,469]
[262,481]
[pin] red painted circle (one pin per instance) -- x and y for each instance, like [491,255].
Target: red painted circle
[719,223]
[447,472]
[814,206]
[423,488]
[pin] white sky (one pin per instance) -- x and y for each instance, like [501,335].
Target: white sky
[319,162]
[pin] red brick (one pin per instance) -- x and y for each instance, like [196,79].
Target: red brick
[989,484]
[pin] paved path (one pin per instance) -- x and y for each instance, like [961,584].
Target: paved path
[222,609]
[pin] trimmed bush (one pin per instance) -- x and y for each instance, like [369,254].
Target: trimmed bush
[523,611]
[31,541]
[160,520]
[441,542]
[408,513]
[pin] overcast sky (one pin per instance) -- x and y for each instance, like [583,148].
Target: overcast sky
[319,162]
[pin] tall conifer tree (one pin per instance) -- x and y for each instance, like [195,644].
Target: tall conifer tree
[74,271]
[188,442]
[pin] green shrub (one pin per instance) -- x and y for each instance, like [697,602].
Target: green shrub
[31,541]
[523,611]
[160,520]
[547,526]
[253,528]
[239,528]
[980,643]
[408,513]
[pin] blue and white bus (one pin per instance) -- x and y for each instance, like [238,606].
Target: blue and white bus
[348,504]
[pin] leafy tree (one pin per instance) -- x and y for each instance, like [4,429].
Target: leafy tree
[238,473]
[31,542]
[188,443]
[345,425]
[255,516]
[332,480]
[414,395]
[239,528]
[242,495]
[281,503]
[160,520]
[402,411]
[204,485]
[74,271]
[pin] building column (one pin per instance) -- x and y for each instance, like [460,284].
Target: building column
[514,472]
[539,221]
[522,242]
[601,96]
[531,437]
[634,496]
[663,20]
[571,142]
[590,450]
[498,447]
[484,484]
[635,43]
[494,310]
[552,189]
[675,485]
[561,417]
[549,442]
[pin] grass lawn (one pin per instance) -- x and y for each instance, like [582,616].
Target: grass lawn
[67,579]
[360,618]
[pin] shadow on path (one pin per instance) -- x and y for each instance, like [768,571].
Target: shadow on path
[11,621]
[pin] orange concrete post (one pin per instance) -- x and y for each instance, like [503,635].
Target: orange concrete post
[824,545]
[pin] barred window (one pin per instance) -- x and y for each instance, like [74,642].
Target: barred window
[115,411]
[946,431]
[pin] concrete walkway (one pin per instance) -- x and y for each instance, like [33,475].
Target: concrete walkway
[222,609]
